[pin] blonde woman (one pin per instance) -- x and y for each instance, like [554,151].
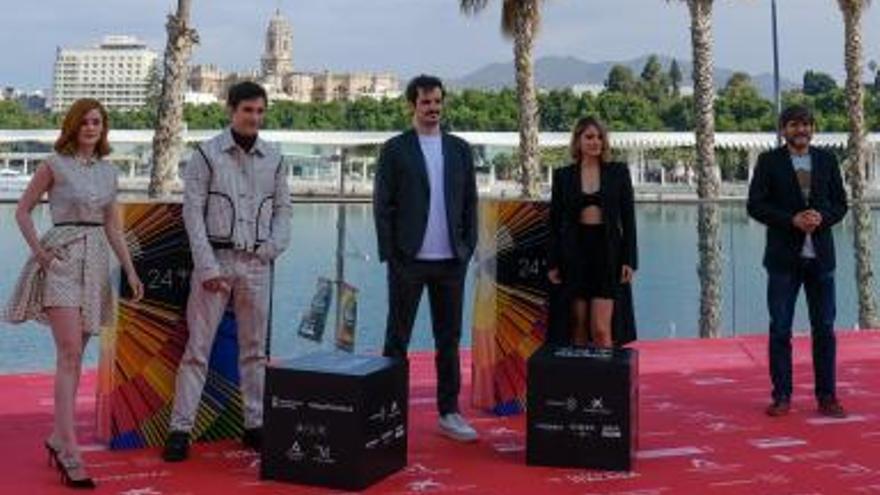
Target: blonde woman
[593,252]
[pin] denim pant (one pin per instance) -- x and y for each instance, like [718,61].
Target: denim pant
[782,292]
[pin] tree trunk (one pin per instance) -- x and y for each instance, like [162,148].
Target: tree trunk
[856,162]
[708,176]
[525,26]
[167,138]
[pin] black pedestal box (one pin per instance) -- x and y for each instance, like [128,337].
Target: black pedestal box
[582,408]
[335,420]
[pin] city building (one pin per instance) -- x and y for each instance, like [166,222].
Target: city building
[32,101]
[119,72]
[282,82]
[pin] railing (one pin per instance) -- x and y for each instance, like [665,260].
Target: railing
[666,287]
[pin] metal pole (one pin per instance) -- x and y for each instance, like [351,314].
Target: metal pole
[340,235]
[776,89]
[271,303]
[271,306]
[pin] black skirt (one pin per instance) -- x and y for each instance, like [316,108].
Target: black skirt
[596,276]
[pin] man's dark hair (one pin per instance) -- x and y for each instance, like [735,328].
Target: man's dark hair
[245,90]
[423,82]
[796,113]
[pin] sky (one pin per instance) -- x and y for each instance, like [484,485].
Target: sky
[413,36]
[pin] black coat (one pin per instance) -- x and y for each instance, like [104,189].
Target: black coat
[618,211]
[402,195]
[775,197]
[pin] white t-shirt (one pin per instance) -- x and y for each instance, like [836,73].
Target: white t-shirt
[435,245]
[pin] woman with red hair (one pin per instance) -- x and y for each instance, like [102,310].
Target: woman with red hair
[66,281]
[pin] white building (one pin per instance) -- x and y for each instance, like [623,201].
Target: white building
[193,98]
[117,72]
[593,89]
[596,89]
[32,101]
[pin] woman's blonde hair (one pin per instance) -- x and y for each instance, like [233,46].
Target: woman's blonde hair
[579,128]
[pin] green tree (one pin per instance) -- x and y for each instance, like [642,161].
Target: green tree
[621,80]
[13,115]
[675,78]
[655,85]
[817,83]
[627,112]
[740,107]
[211,116]
[560,109]
[874,67]
[520,20]
[677,114]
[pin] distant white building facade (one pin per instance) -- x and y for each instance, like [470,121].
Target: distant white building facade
[595,89]
[117,72]
[32,101]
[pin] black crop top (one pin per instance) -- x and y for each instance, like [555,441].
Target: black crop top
[586,200]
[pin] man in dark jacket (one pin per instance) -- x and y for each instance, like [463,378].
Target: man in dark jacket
[425,210]
[797,192]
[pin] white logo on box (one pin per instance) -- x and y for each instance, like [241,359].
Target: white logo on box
[611,431]
[295,453]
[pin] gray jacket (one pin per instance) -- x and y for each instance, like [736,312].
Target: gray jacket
[235,200]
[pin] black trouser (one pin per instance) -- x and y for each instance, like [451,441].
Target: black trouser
[445,282]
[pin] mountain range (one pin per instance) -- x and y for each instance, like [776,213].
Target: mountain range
[553,72]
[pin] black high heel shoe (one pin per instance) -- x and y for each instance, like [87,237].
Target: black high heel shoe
[52,452]
[68,465]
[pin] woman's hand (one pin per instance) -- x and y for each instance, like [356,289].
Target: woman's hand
[136,286]
[553,275]
[45,256]
[627,274]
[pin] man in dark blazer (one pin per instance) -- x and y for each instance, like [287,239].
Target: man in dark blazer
[797,192]
[425,210]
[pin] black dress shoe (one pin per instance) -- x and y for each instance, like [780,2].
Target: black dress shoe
[830,406]
[780,407]
[253,438]
[176,446]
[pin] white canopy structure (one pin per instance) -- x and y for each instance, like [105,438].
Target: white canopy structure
[624,140]
[313,145]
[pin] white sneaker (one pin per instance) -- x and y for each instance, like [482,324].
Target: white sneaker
[456,427]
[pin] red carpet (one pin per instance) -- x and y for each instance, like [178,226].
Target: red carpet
[702,431]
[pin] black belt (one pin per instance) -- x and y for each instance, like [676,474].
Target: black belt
[229,245]
[79,224]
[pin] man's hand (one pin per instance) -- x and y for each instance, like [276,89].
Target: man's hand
[801,222]
[216,284]
[807,221]
[814,219]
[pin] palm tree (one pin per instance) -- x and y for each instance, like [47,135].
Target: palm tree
[169,121]
[708,174]
[853,11]
[520,20]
